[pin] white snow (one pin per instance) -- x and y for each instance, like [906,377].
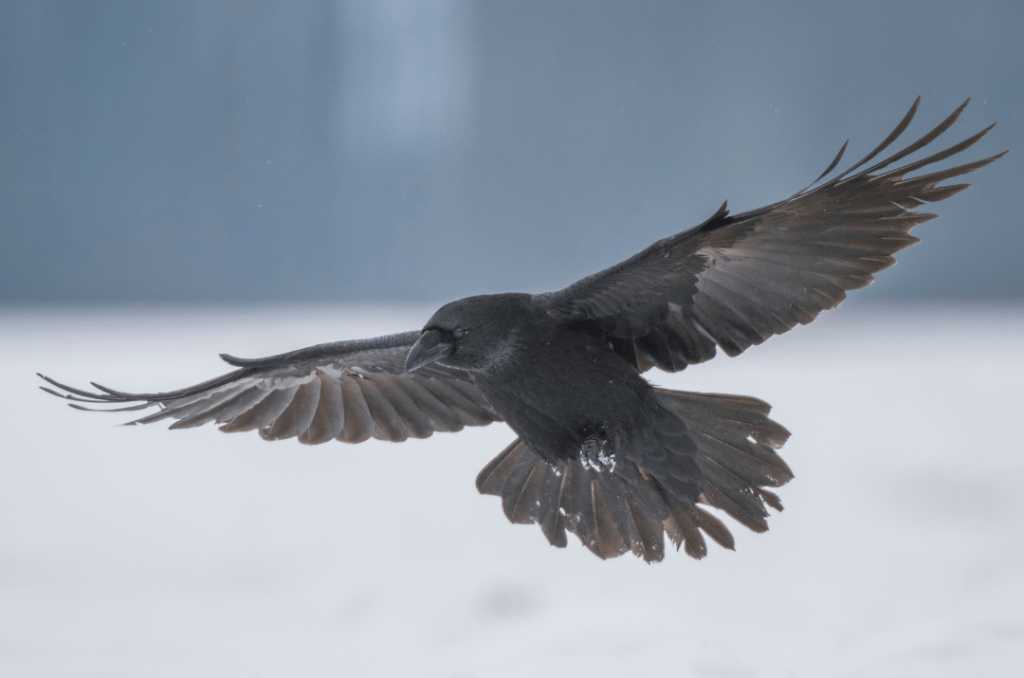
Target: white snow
[142,552]
[603,462]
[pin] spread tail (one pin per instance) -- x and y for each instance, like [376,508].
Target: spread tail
[631,509]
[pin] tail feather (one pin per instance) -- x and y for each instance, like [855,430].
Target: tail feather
[515,484]
[491,479]
[553,518]
[742,461]
[686,523]
[599,524]
[751,514]
[711,526]
[770,498]
[683,531]
[578,504]
[646,536]
[744,415]
[537,494]
[631,508]
[736,442]
[522,502]
[732,494]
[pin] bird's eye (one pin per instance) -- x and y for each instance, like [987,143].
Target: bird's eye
[459,333]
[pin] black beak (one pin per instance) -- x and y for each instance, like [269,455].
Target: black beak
[428,348]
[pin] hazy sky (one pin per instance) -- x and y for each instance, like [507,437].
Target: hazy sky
[314,149]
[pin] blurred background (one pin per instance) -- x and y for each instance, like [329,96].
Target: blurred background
[183,178]
[228,150]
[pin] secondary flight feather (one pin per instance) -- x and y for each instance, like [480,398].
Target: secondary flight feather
[600,452]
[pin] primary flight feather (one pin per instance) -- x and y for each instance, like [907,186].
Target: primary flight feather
[601,452]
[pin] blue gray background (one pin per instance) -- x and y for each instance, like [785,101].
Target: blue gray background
[323,150]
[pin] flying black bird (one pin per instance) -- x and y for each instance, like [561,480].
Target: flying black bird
[601,452]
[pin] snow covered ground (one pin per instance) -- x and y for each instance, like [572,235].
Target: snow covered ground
[142,552]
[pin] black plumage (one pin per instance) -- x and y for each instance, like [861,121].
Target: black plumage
[600,452]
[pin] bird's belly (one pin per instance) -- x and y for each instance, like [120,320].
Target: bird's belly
[555,402]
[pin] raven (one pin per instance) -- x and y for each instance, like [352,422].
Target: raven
[600,451]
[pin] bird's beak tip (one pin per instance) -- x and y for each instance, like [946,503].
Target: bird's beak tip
[429,348]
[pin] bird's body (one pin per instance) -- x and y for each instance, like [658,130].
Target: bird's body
[563,389]
[601,452]
[597,442]
[555,385]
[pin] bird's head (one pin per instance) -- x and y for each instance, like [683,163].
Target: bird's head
[475,333]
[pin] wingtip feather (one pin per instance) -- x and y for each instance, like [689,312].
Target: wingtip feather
[835,161]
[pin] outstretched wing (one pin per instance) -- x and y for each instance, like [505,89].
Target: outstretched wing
[349,391]
[734,281]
